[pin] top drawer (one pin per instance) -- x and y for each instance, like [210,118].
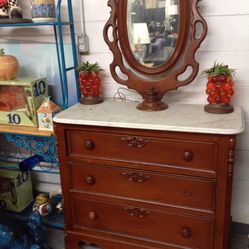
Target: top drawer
[144,148]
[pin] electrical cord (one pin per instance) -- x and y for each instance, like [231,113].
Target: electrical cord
[120,95]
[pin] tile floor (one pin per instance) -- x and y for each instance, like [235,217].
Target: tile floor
[239,242]
[56,240]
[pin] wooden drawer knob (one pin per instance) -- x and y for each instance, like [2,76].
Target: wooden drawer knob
[188,156]
[186,232]
[90,180]
[89,145]
[92,215]
[187,193]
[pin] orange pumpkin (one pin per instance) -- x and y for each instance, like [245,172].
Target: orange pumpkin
[9,66]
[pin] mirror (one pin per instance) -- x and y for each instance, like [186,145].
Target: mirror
[154,44]
[153,28]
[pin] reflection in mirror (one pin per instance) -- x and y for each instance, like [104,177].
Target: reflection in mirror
[153,27]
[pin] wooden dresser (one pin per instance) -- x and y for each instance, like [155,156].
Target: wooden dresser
[141,180]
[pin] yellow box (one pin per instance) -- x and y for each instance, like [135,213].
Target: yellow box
[15,189]
[20,99]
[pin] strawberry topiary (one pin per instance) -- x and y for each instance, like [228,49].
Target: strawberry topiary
[219,87]
[89,82]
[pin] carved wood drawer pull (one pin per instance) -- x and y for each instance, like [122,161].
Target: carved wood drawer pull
[137,212]
[186,232]
[90,180]
[93,215]
[89,145]
[188,156]
[137,142]
[135,176]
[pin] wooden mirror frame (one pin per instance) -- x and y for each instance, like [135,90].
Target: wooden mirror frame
[153,83]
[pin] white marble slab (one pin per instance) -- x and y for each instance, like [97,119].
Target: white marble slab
[178,117]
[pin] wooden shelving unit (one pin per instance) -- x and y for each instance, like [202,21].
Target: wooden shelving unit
[30,138]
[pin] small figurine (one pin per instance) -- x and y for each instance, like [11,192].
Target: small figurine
[45,114]
[10,9]
[42,204]
[11,12]
[59,205]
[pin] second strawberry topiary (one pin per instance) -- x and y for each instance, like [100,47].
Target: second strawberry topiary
[219,88]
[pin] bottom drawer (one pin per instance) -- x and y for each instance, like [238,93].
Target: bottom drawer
[141,223]
[86,241]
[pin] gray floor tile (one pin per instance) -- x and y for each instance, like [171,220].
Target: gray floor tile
[239,242]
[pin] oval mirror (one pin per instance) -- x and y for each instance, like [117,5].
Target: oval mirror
[154,43]
[152,28]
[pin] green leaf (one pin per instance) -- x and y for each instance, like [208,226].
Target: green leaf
[88,67]
[2,52]
[219,69]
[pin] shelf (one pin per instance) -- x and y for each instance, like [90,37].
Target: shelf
[32,24]
[22,130]
[14,165]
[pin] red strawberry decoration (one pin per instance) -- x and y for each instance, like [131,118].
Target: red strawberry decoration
[89,83]
[219,88]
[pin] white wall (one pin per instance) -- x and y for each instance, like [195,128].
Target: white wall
[227,41]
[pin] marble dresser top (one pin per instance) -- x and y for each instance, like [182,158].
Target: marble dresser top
[178,117]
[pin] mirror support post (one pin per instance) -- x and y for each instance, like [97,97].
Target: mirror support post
[152,102]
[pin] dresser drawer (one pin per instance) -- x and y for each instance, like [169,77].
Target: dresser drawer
[145,185]
[135,221]
[81,242]
[140,148]
[88,241]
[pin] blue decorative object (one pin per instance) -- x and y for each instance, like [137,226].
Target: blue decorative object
[27,234]
[30,163]
[43,10]
[36,232]
[42,146]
